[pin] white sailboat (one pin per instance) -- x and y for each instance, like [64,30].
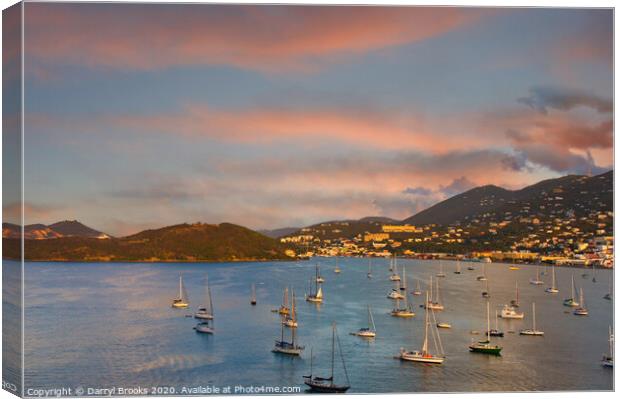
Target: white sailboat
[319,278]
[288,348]
[423,355]
[396,292]
[290,320]
[370,331]
[509,312]
[441,273]
[395,276]
[458,267]
[284,308]
[608,359]
[533,331]
[182,301]
[572,301]
[316,295]
[434,303]
[536,280]
[553,289]
[205,314]
[417,290]
[405,311]
[205,311]
[581,310]
[337,269]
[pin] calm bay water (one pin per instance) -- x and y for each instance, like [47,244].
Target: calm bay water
[102,325]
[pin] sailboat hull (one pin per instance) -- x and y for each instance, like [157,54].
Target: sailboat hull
[402,313]
[419,358]
[180,305]
[287,348]
[204,329]
[325,386]
[534,333]
[488,350]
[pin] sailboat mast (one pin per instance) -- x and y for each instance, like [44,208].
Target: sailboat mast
[534,316]
[425,344]
[488,324]
[293,318]
[180,286]
[517,288]
[572,286]
[333,349]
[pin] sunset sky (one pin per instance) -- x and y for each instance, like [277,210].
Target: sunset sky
[141,116]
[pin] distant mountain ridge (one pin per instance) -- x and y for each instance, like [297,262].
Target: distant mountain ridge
[183,243]
[573,189]
[65,228]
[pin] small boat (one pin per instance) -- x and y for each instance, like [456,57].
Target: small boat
[290,320]
[536,280]
[444,325]
[395,276]
[253,297]
[434,303]
[369,274]
[205,312]
[287,348]
[327,385]
[496,332]
[471,268]
[533,331]
[441,273]
[515,302]
[486,347]
[370,331]
[395,294]
[608,359]
[553,289]
[581,310]
[608,295]
[316,295]
[572,301]
[458,267]
[405,311]
[594,272]
[423,355]
[417,290]
[508,312]
[182,300]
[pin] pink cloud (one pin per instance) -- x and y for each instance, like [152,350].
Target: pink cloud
[254,37]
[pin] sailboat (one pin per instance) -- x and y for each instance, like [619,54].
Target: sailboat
[337,269]
[486,293]
[536,280]
[608,359]
[594,272]
[182,301]
[319,278]
[205,312]
[515,302]
[395,293]
[370,331]
[496,332]
[288,348]
[253,297]
[458,267]
[533,330]
[290,320]
[417,290]
[369,274]
[553,289]
[509,312]
[327,385]
[571,302]
[485,346]
[433,303]
[581,310]
[284,308]
[317,295]
[484,274]
[395,276]
[441,273]
[608,295]
[423,355]
[406,310]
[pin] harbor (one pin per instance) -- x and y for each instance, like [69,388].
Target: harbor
[135,336]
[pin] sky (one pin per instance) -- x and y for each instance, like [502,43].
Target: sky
[140,116]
